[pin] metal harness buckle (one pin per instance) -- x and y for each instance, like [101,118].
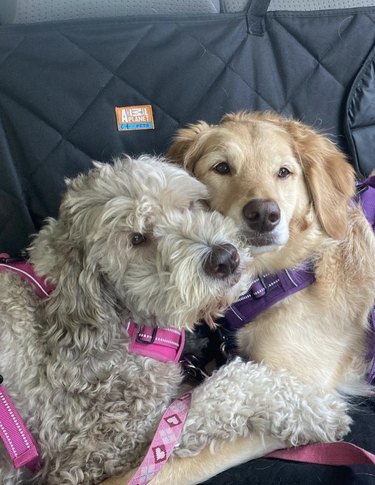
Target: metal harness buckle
[142,340]
[265,287]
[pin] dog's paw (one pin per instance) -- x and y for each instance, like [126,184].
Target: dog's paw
[335,420]
[322,418]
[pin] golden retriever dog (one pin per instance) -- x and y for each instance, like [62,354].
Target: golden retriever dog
[290,192]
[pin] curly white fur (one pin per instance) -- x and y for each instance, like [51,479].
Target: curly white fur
[245,397]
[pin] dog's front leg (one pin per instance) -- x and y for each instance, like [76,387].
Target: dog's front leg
[208,463]
[243,397]
[243,412]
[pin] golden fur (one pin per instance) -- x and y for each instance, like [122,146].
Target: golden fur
[320,333]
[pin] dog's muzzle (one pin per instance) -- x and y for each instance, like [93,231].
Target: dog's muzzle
[222,261]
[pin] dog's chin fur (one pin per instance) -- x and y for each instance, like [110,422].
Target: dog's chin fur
[265,249]
[320,333]
[263,243]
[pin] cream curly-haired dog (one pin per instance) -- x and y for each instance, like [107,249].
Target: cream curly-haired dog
[132,241]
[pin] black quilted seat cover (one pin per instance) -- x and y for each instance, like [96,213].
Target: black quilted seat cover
[60,83]
[277,472]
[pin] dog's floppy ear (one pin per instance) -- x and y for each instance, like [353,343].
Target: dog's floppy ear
[183,149]
[78,298]
[329,177]
[61,253]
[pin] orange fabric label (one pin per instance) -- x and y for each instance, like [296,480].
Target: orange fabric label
[134,118]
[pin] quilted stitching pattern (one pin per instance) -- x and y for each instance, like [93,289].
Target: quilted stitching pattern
[361,115]
[59,85]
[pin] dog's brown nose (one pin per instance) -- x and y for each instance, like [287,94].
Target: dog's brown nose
[222,261]
[262,215]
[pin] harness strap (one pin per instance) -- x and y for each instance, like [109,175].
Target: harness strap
[26,271]
[366,197]
[163,344]
[371,350]
[267,290]
[13,431]
[16,437]
[166,436]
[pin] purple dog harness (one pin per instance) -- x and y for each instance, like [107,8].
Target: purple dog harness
[267,290]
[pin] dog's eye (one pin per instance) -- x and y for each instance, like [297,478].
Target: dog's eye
[137,238]
[283,173]
[222,168]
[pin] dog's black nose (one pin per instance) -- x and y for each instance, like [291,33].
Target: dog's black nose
[222,261]
[262,215]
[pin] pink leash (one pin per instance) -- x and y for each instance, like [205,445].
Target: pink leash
[165,345]
[166,436]
[340,453]
[172,423]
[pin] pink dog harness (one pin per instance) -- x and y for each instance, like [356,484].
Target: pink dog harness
[163,344]
[16,437]
[27,273]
